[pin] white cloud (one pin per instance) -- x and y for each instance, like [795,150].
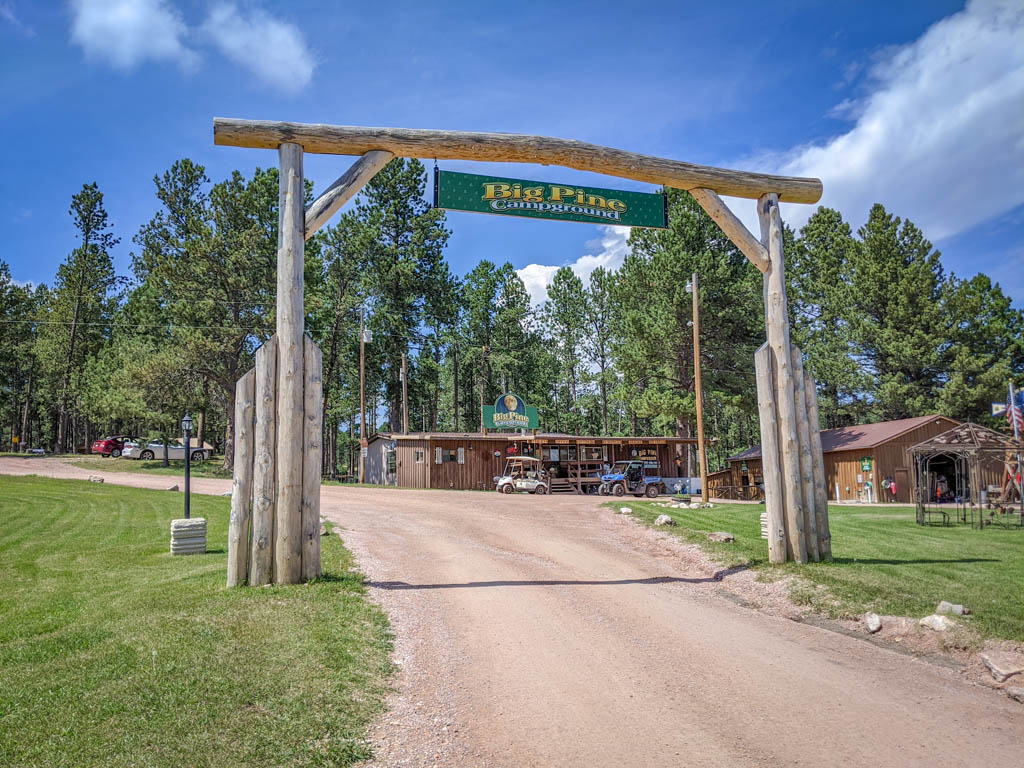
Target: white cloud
[10,15]
[128,32]
[273,50]
[609,251]
[939,137]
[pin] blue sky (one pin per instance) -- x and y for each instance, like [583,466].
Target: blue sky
[917,105]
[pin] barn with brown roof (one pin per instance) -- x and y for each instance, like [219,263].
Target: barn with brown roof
[858,462]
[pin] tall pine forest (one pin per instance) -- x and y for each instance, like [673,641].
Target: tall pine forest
[885,330]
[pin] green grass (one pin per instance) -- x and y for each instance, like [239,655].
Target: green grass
[211,468]
[114,653]
[882,561]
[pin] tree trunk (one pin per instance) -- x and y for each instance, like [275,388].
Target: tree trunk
[25,441]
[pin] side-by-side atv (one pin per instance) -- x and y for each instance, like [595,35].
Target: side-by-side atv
[640,478]
[523,473]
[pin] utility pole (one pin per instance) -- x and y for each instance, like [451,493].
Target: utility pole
[483,382]
[362,393]
[455,403]
[702,455]
[405,397]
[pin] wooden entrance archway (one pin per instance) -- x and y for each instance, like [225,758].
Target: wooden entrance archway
[275,507]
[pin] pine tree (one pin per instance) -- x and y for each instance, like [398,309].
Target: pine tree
[404,266]
[897,282]
[821,304]
[565,316]
[985,348]
[80,307]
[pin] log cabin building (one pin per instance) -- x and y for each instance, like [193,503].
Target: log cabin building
[858,462]
[470,461]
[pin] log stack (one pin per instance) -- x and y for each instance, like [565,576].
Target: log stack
[268,542]
[796,498]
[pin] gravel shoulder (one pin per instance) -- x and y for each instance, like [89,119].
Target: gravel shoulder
[551,631]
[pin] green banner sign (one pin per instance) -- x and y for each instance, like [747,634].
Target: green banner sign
[510,412]
[865,464]
[540,200]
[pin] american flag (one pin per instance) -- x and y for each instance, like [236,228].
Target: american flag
[1015,411]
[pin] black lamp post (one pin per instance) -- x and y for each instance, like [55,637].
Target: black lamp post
[186,426]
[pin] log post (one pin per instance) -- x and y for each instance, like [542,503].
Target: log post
[773,497]
[312,450]
[241,491]
[820,481]
[777,326]
[261,557]
[806,461]
[290,406]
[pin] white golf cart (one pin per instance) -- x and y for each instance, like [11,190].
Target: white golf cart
[523,473]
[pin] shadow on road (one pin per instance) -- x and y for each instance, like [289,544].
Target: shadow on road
[921,561]
[717,576]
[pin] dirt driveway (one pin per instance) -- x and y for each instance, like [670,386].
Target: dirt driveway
[552,632]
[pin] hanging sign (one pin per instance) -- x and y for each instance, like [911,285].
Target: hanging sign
[542,200]
[510,412]
[865,464]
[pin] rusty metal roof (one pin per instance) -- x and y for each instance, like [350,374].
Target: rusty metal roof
[859,437]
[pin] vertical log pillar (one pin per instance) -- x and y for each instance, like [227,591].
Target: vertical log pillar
[241,491]
[290,403]
[820,487]
[312,450]
[261,556]
[773,497]
[777,326]
[806,460]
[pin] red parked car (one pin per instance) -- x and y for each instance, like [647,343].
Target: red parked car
[110,446]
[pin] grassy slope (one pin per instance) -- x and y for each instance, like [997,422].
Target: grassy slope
[212,468]
[883,561]
[114,653]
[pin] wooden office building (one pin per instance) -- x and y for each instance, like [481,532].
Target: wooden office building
[858,462]
[470,461]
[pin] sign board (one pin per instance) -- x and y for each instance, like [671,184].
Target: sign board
[542,200]
[865,464]
[644,454]
[364,451]
[14,439]
[510,412]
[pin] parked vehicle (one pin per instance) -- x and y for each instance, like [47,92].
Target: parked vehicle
[154,449]
[523,473]
[110,446]
[640,478]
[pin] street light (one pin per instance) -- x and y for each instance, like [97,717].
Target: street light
[186,426]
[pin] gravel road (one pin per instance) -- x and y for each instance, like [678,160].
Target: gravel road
[551,632]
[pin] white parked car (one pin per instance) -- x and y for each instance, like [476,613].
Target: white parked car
[154,449]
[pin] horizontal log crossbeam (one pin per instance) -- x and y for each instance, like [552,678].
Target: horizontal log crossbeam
[511,148]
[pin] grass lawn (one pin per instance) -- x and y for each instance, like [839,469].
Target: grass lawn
[211,468]
[113,653]
[882,561]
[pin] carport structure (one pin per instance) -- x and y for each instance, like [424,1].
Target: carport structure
[985,468]
[277,460]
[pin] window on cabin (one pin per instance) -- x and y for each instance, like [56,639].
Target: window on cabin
[420,455]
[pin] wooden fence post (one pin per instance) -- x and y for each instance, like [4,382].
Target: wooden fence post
[290,405]
[261,559]
[241,491]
